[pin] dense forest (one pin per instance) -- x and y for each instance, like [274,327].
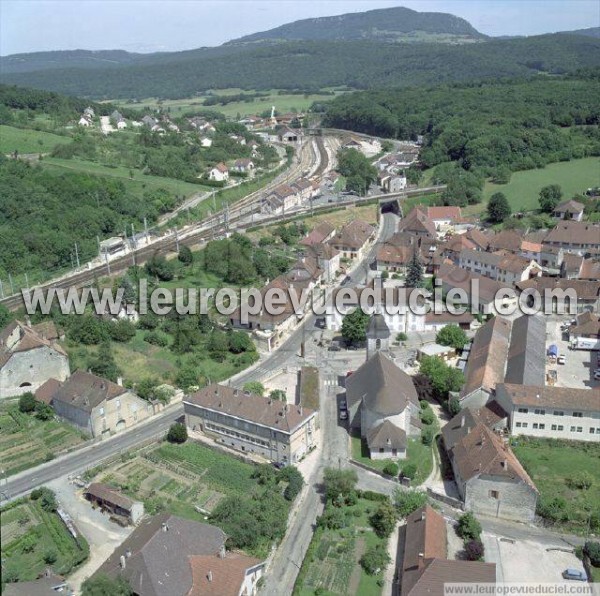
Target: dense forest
[318,64]
[484,127]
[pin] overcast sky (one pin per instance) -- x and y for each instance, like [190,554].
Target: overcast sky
[145,26]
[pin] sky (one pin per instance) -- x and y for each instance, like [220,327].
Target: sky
[171,25]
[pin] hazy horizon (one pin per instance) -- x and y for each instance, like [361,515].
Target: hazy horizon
[147,26]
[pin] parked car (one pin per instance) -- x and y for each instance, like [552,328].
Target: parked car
[575,574]
[561,359]
[334,348]
[597,375]
[343,404]
[343,414]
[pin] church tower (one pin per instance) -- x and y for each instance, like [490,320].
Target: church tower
[378,335]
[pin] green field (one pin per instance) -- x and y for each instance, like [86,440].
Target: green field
[551,464]
[32,537]
[26,441]
[28,141]
[331,566]
[524,187]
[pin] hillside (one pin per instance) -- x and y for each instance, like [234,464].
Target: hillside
[318,64]
[589,32]
[386,25]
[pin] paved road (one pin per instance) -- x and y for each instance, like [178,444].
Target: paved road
[88,456]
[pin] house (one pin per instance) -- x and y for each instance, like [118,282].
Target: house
[47,585]
[436,350]
[575,236]
[504,351]
[569,210]
[287,135]
[171,556]
[490,479]
[353,239]
[29,356]
[84,121]
[551,412]
[278,431]
[383,405]
[320,234]
[507,240]
[508,268]
[551,258]
[394,258]
[304,189]
[585,334]
[444,217]
[244,166]
[111,499]
[393,306]
[281,199]
[98,406]
[149,122]
[575,266]
[116,116]
[220,173]
[434,321]
[425,568]
[392,183]
[573,295]
[327,258]
[121,124]
[206,142]
[418,224]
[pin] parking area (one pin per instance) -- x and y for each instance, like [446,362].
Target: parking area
[579,365]
[527,561]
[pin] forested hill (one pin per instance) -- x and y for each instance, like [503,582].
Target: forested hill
[387,25]
[317,64]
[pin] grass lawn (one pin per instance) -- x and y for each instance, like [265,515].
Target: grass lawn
[332,559]
[524,187]
[28,141]
[26,441]
[30,535]
[309,387]
[552,463]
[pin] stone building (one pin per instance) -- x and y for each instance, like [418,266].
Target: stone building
[273,429]
[29,356]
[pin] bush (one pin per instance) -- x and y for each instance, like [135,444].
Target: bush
[409,470]
[156,338]
[43,411]
[177,433]
[407,501]
[474,550]
[255,387]
[50,557]
[46,498]
[391,469]
[427,417]
[295,482]
[27,403]
[592,550]
[453,406]
[384,519]
[582,480]
[121,331]
[468,527]
[376,559]
[371,495]
[333,518]
[339,482]
[101,584]
[427,436]
[185,255]
[401,337]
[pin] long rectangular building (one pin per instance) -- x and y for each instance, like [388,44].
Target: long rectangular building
[273,429]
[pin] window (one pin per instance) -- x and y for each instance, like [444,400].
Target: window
[592,431]
[381,450]
[524,424]
[522,410]
[494,494]
[561,427]
[540,412]
[579,429]
[558,413]
[518,425]
[542,426]
[572,429]
[577,414]
[553,427]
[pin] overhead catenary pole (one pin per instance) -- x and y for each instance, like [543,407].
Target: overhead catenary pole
[26,281]
[1,290]
[107,262]
[146,229]
[77,255]
[12,287]
[177,240]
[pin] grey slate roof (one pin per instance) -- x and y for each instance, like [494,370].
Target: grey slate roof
[386,435]
[377,328]
[159,562]
[527,351]
[382,387]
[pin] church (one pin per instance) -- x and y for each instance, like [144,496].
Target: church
[382,400]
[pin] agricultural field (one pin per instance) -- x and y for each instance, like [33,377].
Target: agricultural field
[332,563]
[26,442]
[555,467]
[28,141]
[417,453]
[34,539]
[524,187]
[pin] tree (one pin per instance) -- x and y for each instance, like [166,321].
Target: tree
[468,527]
[218,345]
[187,377]
[391,469]
[5,316]
[453,336]
[239,342]
[27,403]
[408,501]
[375,559]
[498,208]
[43,411]
[157,266]
[185,255]
[414,272]
[101,584]
[354,326]
[121,330]
[339,482]
[444,378]
[550,197]
[357,170]
[475,550]
[384,519]
[255,387]
[409,470]
[427,436]
[177,433]
[87,329]
[295,480]
[278,395]
[454,406]
[103,363]
[592,550]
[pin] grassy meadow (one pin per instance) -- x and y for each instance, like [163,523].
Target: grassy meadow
[26,140]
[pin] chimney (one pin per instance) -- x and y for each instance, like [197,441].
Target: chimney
[209,576]
[222,552]
[165,527]
[462,421]
[300,410]
[122,561]
[422,517]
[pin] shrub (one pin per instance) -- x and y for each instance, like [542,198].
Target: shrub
[27,402]
[384,519]
[468,527]
[401,337]
[409,470]
[407,501]
[474,550]
[375,559]
[333,518]
[427,416]
[185,255]
[43,411]
[391,469]
[427,436]
[453,406]
[582,480]
[156,338]
[177,433]
[339,482]
[50,557]
[255,387]
[121,331]
[295,482]
[592,550]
